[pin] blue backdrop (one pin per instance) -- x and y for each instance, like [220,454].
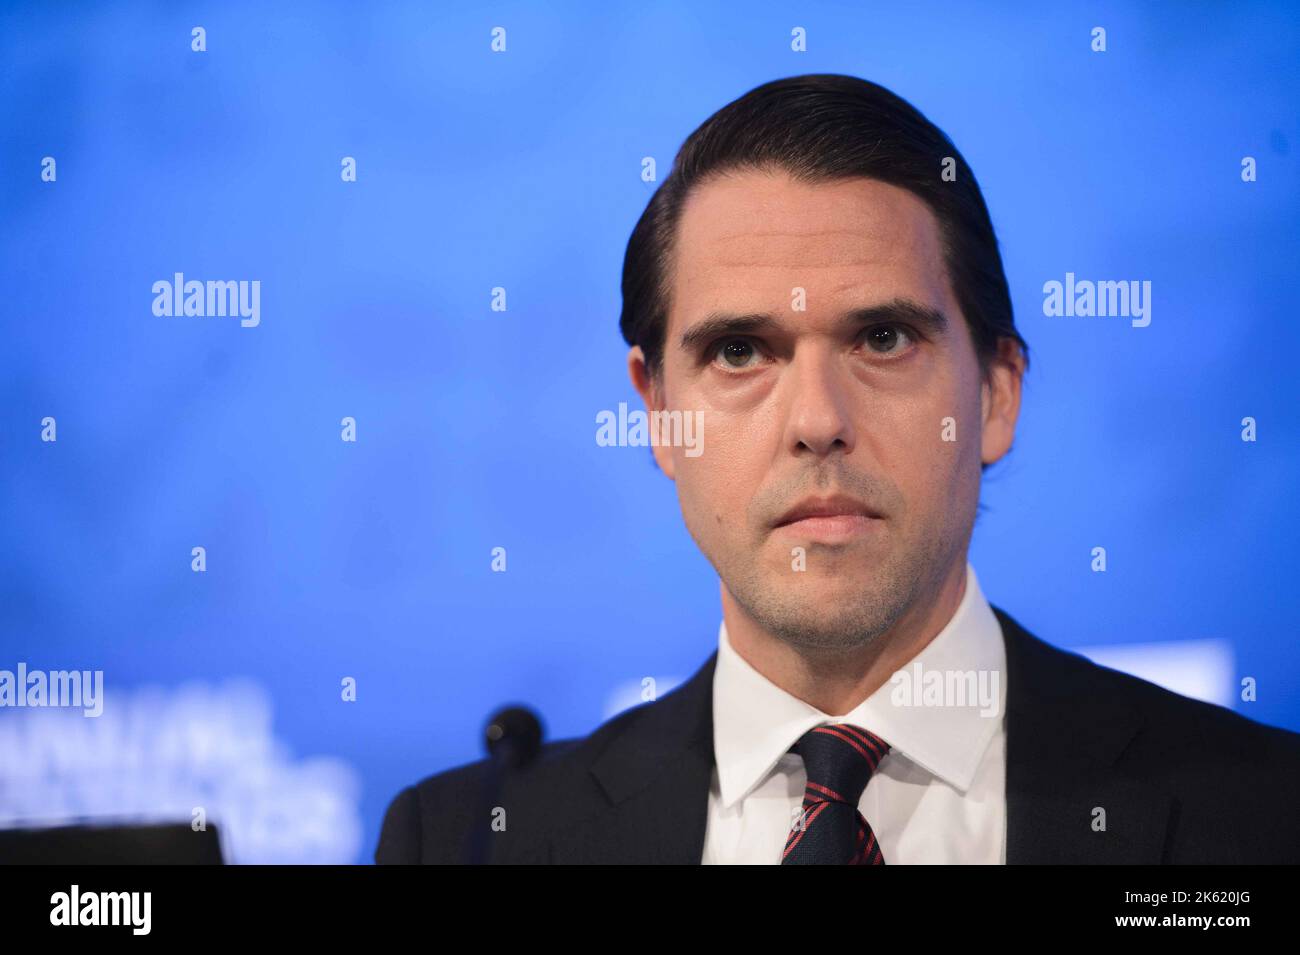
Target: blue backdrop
[372,560]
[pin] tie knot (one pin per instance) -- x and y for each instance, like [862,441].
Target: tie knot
[839,759]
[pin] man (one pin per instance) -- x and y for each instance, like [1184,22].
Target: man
[819,277]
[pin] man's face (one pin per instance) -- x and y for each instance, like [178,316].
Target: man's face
[817,397]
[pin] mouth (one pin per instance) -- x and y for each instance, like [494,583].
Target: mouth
[835,519]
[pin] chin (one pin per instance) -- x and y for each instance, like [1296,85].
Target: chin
[846,582]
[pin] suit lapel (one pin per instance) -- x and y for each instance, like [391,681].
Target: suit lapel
[655,776]
[1066,731]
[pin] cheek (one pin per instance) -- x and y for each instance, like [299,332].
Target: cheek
[914,435]
[716,487]
[953,477]
[928,446]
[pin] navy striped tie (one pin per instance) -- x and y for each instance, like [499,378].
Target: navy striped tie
[839,759]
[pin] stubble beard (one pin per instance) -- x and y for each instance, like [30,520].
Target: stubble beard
[851,618]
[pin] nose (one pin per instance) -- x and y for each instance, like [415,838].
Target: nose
[819,405]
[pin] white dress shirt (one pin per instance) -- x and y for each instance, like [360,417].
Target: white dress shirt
[938,796]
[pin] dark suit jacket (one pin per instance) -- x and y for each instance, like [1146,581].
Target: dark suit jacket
[1181,781]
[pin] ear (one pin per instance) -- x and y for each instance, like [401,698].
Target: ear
[1000,400]
[651,391]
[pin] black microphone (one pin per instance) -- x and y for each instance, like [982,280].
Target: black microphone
[514,738]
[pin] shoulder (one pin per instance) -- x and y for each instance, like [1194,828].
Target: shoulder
[430,820]
[1183,741]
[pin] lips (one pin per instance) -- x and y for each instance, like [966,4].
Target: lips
[836,505]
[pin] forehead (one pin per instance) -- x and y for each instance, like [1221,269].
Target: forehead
[747,239]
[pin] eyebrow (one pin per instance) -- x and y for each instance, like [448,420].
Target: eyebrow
[927,320]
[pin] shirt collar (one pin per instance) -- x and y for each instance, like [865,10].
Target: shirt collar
[755,722]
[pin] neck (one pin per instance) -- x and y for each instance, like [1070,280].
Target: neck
[837,681]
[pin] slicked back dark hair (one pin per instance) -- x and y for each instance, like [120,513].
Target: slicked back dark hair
[817,128]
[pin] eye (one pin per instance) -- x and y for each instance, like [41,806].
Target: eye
[887,339]
[737,353]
